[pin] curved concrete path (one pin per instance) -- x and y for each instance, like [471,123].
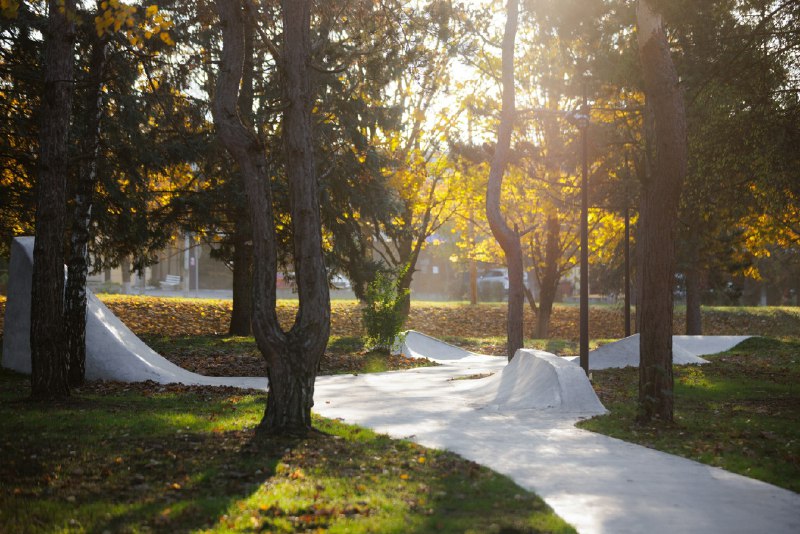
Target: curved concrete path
[597,483]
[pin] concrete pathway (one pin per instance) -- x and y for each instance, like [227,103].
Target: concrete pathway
[598,484]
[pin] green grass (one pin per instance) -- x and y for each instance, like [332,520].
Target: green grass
[740,413]
[151,458]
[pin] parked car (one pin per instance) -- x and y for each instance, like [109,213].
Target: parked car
[339,281]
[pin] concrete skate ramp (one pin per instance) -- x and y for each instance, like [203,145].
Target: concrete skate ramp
[113,352]
[535,379]
[686,350]
[418,345]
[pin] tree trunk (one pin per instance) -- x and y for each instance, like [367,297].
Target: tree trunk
[507,237]
[408,251]
[473,265]
[49,358]
[660,198]
[242,307]
[694,288]
[242,276]
[78,264]
[550,277]
[292,357]
[312,326]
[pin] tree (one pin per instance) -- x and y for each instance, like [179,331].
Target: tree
[660,199]
[20,55]
[736,60]
[292,357]
[49,361]
[78,262]
[509,238]
[417,167]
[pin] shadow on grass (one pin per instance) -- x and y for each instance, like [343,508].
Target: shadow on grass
[162,461]
[146,457]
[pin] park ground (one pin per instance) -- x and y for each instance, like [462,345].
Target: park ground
[152,458]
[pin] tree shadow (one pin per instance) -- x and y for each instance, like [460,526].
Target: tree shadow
[203,487]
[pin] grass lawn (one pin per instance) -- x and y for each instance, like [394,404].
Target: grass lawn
[740,413]
[151,458]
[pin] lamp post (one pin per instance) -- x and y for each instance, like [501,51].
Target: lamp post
[581,119]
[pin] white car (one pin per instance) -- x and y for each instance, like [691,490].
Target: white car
[340,282]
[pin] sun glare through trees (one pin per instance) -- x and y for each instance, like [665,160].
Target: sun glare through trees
[425,142]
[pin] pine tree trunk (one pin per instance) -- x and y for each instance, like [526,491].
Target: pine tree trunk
[49,358]
[242,276]
[78,264]
[292,357]
[659,210]
[507,237]
[241,312]
[309,335]
[291,393]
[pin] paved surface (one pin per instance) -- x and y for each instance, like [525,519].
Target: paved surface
[598,484]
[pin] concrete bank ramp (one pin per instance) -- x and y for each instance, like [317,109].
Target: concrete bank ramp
[686,350]
[418,345]
[535,379]
[113,352]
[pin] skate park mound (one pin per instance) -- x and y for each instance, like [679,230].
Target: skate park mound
[415,344]
[686,350]
[113,352]
[538,380]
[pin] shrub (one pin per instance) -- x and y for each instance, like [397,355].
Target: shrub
[382,314]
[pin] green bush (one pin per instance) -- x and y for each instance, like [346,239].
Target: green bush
[109,288]
[382,314]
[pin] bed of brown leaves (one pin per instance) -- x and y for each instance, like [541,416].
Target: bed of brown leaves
[181,317]
[224,362]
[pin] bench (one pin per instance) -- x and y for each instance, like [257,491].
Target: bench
[172,281]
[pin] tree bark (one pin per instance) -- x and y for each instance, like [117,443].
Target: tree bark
[78,263]
[242,306]
[660,199]
[292,357]
[473,265]
[49,358]
[242,276]
[507,237]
